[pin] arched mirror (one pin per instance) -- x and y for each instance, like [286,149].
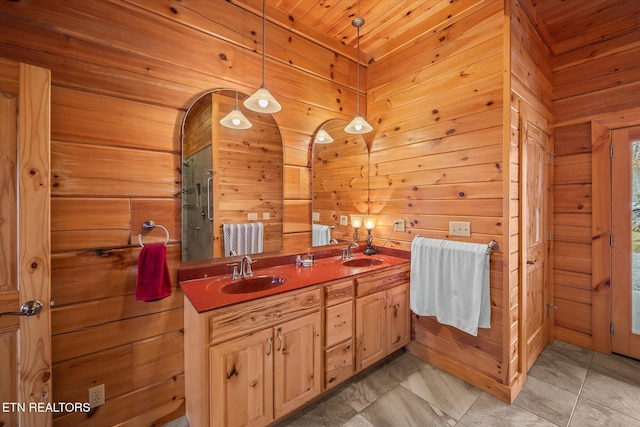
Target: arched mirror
[232,178]
[340,166]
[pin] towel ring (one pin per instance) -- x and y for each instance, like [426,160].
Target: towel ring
[150,225]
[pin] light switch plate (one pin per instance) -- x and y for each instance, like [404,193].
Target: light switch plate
[266,215]
[252,216]
[343,220]
[316,217]
[459,228]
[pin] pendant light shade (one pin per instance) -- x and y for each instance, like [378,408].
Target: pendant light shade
[235,119]
[323,137]
[358,125]
[262,101]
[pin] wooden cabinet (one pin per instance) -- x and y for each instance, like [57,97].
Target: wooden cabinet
[260,377]
[242,381]
[382,315]
[338,335]
[251,363]
[296,363]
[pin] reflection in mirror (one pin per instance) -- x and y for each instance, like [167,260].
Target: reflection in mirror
[340,183]
[232,195]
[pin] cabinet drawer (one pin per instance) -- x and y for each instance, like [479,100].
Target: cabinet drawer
[385,279]
[339,364]
[339,323]
[338,292]
[229,322]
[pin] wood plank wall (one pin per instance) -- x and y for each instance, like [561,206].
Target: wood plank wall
[531,88]
[594,79]
[438,156]
[123,74]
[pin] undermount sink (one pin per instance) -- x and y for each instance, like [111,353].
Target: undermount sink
[362,262]
[252,284]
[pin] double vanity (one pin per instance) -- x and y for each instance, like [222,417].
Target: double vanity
[259,347]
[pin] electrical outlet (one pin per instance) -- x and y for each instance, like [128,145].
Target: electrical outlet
[458,228]
[316,217]
[96,395]
[398,225]
[266,215]
[343,220]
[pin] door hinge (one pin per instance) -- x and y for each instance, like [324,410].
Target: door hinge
[549,308]
[611,150]
[550,157]
[612,240]
[549,235]
[612,328]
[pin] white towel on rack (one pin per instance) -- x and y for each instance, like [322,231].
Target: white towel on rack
[320,235]
[243,239]
[450,280]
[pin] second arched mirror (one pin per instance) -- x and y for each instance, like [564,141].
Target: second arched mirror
[340,185]
[232,180]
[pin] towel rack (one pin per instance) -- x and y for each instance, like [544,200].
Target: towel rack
[150,225]
[491,246]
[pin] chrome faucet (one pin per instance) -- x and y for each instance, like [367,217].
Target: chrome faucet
[347,253]
[245,266]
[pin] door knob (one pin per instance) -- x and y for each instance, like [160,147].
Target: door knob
[29,308]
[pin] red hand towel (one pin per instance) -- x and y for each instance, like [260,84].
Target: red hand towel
[153,282]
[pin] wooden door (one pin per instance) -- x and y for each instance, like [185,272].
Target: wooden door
[241,384]
[398,318]
[296,363]
[25,267]
[625,252]
[371,325]
[534,150]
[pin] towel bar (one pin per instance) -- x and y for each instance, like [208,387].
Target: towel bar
[491,246]
[150,225]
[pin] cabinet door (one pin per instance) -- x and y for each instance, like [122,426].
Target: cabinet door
[370,329]
[241,388]
[297,350]
[398,318]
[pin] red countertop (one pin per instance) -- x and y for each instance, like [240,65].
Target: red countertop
[205,293]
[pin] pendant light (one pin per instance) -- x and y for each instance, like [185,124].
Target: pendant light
[323,137]
[358,125]
[235,119]
[262,101]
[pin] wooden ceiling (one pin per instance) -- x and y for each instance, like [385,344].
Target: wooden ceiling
[390,24]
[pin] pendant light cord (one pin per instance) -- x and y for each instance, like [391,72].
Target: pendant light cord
[264,38]
[358,73]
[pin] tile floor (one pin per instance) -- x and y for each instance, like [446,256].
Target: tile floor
[567,386]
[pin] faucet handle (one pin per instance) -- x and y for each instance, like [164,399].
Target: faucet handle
[235,274]
[249,272]
[344,253]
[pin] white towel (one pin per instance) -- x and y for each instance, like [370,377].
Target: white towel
[320,235]
[450,280]
[243,239]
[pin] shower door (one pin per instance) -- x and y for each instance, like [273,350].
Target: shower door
[197,206]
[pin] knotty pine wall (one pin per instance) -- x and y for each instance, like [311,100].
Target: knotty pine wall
[596,77]
[123,74]
[439,155]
